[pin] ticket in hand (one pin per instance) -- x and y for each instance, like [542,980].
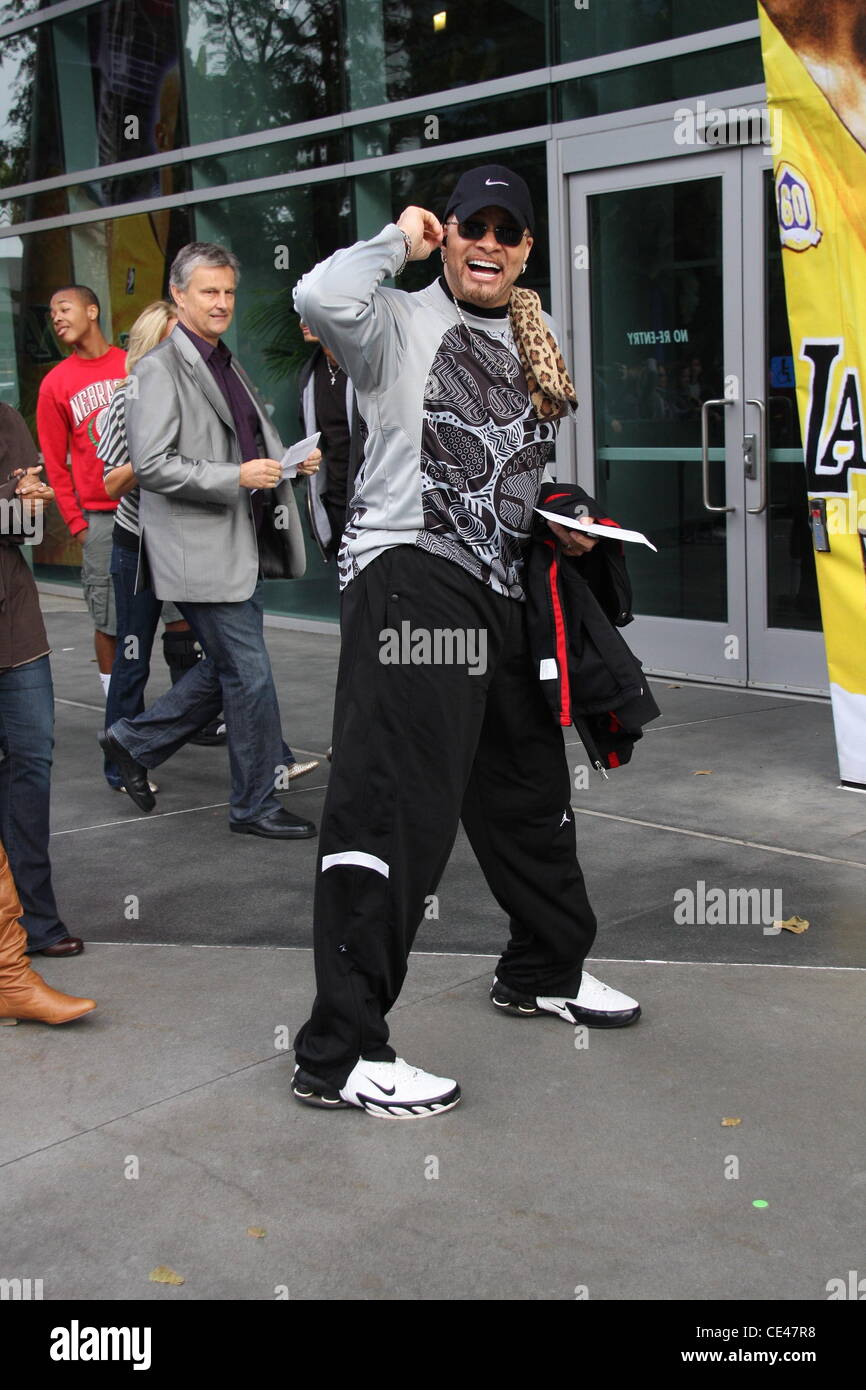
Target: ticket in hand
[595,528]
[295,455]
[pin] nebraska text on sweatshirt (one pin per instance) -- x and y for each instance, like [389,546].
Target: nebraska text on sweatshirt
[73,402]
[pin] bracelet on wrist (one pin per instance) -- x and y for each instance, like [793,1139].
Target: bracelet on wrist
[407,241]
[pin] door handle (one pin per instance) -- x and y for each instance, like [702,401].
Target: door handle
[705,455]
[762,459]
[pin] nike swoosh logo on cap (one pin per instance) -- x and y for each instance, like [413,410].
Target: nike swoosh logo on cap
[501,182]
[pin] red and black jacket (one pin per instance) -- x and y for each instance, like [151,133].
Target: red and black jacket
[589,675]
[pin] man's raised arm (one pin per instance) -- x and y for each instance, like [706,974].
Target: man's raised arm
[338,298]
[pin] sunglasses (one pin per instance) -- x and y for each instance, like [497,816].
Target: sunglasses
[473,230]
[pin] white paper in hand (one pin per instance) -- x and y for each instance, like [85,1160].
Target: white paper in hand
[604,533]
[298,452]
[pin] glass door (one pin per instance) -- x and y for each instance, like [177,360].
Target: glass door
[687,431]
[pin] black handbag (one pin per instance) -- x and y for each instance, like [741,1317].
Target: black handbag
[275,561]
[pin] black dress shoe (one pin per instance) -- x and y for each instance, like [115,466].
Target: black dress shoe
[134,775]
[212,735]
[278,825]
[69,946]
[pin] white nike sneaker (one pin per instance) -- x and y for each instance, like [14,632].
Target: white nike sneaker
[389,1090]
[596,1004]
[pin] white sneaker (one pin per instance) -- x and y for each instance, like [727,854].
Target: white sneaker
[389,1090]
[596,1004]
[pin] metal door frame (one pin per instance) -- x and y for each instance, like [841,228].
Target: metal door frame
[768,658]
[706,645]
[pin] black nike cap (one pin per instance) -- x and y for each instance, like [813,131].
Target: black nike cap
[492,185]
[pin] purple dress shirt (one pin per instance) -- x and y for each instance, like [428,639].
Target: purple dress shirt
[241,408]
[243,412]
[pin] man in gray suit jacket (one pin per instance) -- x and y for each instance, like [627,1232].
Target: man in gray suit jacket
[205,454]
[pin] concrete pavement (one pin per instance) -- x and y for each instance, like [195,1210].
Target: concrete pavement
[161,1129]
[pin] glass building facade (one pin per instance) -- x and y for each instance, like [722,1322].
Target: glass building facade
[285,129]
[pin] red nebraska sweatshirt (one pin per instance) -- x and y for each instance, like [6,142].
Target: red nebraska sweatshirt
[70,414]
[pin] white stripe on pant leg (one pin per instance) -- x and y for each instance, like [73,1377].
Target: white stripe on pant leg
[356,856]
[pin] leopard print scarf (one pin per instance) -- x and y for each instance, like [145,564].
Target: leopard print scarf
[550,387]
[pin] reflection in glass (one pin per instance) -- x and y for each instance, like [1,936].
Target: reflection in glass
[17,87]
[468,121]
[255,64]
[30,146]
[119,85]
[396,49]
[656,304]
[264,161]
[587,29]
[670,79]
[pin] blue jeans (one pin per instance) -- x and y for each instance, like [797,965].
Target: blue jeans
[27,745]
[236,677]
[138,618]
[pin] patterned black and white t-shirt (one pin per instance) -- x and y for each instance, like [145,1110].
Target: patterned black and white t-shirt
[483,454]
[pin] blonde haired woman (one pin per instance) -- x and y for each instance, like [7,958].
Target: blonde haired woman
[138,614]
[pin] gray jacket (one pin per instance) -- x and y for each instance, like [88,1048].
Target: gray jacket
[198,537]
[392,344]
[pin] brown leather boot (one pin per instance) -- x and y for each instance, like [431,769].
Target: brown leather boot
[23,993]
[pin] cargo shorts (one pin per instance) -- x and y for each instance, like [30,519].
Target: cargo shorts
[96,571]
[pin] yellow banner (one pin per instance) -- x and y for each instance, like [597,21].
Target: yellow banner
[813,60]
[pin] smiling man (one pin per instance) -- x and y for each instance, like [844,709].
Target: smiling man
[73,402]
[462,386]
[207,459]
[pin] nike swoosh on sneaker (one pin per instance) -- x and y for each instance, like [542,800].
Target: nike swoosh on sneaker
[384,1089]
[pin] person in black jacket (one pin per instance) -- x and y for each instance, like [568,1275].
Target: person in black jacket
[589,676]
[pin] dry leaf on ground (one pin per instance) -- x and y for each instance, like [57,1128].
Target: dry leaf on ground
[732,1120]
[163,1275]
[794,924]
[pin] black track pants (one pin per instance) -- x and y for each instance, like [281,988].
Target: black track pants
[417,748]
